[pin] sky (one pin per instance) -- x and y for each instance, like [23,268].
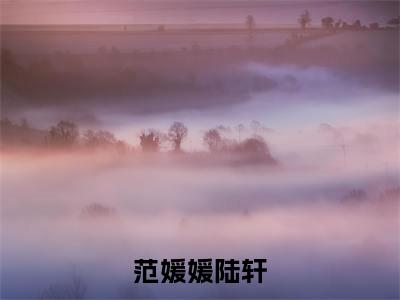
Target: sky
[268,12]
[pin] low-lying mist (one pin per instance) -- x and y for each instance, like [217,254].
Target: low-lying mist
[317,192]
[66,215]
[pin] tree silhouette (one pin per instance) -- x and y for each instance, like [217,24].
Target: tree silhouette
[96,210]
[327,22]
[345,25]
[304,19]
[357,24]
[65,133]
[255,149]
[250,23]
[338,24]
[98,138]
[76,289]
[255,126]
[213,140]
[150,141]
[394,21]
[177,132]
[240,128]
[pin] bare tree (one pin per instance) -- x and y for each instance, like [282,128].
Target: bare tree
[64,133]
[304,19]
[99,138]
[213,140]
[224,129]
[240,128]
[177,132]
[256,126]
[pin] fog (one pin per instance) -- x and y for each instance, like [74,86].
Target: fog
[309,113]
[322,204]
[317,236]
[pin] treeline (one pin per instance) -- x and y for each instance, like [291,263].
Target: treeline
[110,73]
[65,135]
[212,76]
[331,24]
[304,21]
[193,73]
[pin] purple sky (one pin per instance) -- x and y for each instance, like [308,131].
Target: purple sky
[268,12]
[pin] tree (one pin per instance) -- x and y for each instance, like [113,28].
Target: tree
[177,132]
[99,138]
[150,141]
[255,149]
[96,210]
[304,19]
[394,21]
[255,126]
[250,22]
[65,133]
[240,128]
[327,22]
[213,140]
[338,24]
[75,289]
[356,24]
[345,25]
